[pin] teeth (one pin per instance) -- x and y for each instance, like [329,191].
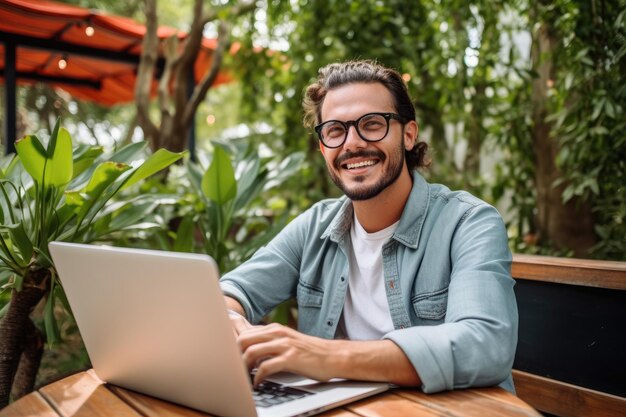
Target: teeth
[360,164]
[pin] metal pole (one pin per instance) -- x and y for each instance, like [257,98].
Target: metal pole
[10,80]
[191,84]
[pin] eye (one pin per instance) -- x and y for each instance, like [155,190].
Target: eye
[372,123]
[333,131]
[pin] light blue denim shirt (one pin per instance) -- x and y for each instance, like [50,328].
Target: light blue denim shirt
[447,278]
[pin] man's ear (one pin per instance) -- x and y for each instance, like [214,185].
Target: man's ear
[411,131]
[322,148]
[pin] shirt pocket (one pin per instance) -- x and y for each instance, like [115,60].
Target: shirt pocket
[309,308]
[309,296]
[432,305]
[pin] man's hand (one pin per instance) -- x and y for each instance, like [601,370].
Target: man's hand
[238,321]
[277,348]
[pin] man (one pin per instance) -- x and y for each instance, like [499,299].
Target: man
[399,280]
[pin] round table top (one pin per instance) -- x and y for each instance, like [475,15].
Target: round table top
[84,394]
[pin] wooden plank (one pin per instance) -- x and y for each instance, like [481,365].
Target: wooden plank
[338,412]
[151,406]
[33,405]
[390,404]
[562,399]
[477,402]
[585,272]
[84,395]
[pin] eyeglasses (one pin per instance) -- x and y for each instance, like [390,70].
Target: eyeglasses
[371,127]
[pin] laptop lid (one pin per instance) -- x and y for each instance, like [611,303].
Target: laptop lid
[156,322]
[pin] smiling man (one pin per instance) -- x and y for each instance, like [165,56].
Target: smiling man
[399,280]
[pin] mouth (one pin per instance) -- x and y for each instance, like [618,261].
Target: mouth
[360,164]
[359,161]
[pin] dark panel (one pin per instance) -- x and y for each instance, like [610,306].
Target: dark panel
[573,334]
[10,103]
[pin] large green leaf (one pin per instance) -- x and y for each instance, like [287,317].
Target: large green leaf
[129,152]
[60,164]
[105,174]
[84,157]
[33,156]
[156,162]
[57,166]
[219,183]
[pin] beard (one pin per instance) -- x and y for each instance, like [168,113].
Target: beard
[364,192]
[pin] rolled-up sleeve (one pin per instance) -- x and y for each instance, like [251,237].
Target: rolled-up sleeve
[475,346]
[271,275]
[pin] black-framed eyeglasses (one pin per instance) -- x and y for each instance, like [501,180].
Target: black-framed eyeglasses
[371,127]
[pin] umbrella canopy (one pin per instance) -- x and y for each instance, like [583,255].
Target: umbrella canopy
[91,55]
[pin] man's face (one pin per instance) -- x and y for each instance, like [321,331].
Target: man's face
[362,170]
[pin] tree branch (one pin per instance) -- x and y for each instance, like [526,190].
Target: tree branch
[223,44]
[145,72]
[201,89]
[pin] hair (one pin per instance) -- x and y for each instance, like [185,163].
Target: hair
[364,71]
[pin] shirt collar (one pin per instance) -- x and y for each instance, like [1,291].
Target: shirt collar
[411,221]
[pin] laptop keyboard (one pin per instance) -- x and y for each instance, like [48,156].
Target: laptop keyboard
[269,393]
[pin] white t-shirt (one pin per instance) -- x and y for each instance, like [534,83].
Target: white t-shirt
[366,314]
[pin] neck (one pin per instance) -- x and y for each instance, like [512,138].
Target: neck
[386,208]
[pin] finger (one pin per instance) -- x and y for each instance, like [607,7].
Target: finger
[270,367]
[239,323]
[261,334]
[254,355]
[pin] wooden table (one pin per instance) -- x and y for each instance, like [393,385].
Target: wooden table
[83,394]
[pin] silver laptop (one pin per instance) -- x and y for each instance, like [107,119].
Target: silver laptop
[156,322]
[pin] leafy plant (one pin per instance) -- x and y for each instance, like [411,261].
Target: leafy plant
[223,206]
[50,193]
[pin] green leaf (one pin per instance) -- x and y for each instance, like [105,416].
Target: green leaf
[128,152]
[19,282]
[219,183]
[185,235]
[57,167]
[60,164]
[568,193]
[133,213]
[105,174]
[21,241]
[53,138]
[84,157]
[52,330]
[33,156]
[156,162]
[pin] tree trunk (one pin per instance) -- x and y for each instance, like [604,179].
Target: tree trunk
[26,375]
[16,332]
[567,226]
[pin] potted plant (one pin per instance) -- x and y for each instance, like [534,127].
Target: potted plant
[49,193]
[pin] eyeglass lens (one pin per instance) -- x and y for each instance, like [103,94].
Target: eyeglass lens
[371,127]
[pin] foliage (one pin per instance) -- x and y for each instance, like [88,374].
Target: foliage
[588,106]
[223,200]
[469,70]
[57,193]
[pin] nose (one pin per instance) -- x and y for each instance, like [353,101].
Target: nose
[353,140]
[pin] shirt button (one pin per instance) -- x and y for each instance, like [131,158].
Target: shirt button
[329,322]
[342,279]
[391,284]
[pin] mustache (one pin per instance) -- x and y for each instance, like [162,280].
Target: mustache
[360,154]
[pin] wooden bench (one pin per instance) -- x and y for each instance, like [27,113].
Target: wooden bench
[571,353]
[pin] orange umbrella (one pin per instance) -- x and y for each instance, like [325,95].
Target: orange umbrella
[91,55]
